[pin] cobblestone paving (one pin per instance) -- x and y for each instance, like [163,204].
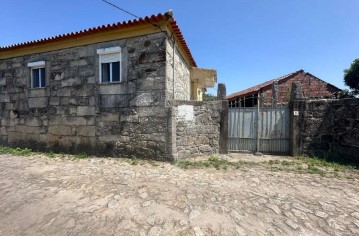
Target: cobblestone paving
[43,196]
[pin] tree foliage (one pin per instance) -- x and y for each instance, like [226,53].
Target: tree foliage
[209,97]
[351,76]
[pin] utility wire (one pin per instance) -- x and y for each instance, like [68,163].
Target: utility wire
[109,3]
[121,9]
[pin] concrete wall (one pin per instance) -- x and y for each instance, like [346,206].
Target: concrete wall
[74,112]
[327,125]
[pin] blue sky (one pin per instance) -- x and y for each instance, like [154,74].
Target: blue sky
[247,41]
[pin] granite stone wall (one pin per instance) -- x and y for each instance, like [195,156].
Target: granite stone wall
[135,117]
[181,82]
[74,112]
[197,127]
[324,126]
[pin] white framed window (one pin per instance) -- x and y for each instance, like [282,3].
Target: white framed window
[110,64]
[38,75]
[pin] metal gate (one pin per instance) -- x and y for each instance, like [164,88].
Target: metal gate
[271,135]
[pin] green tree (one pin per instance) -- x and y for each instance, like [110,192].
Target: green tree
[209,97]
[351,76]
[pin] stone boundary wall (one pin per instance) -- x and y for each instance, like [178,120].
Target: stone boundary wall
[197,127]
[326,125]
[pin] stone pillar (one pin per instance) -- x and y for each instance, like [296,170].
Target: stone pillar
[296,92]
[223,135]
[295,113]
[171,134]
[222,92]
[274,94]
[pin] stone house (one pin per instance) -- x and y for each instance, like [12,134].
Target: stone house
[312,87]
[129,88]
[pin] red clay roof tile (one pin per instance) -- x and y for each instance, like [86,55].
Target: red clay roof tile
[256,88]
[119,25]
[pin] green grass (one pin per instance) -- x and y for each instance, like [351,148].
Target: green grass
[328,165]
[134,161]
[335,164]
[27,152]
[213,162]
[153,163]
[50,154]
[287,163]
[312,165]
[15,151]
[301,165]
[81,155]
[315,170]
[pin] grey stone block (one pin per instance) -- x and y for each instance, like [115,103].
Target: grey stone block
[86,131]
[86,90]
[70,82]
[64,92]
[80,62]
[2,81]
[27,129]
[32,121]
[37,93]
[110,117]
[3,131]
[85,111]
[114,101]
[60,130]
[113,89]
[39,102]
[4,98]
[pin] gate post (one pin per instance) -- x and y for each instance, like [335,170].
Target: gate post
[257,152]
[223,126]
[275,93]
[294,108]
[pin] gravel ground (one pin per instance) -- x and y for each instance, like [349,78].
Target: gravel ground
[97,196]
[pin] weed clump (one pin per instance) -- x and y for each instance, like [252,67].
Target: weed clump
[213,162]
[81,155]
[15,151]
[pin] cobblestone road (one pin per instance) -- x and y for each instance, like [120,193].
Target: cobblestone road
[44,196]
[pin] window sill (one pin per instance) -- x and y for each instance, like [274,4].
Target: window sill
[37,88]
[113,88]
[38,92]
[110,83]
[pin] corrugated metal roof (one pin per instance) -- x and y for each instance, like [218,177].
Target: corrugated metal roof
[256,88]
[104,28]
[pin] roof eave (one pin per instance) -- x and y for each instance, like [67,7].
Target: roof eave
[153,24]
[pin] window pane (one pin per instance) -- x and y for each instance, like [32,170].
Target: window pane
[42,76]
[105,68]
[35,78]
[115,71]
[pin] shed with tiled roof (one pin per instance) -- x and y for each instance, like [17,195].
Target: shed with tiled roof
[312,87]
